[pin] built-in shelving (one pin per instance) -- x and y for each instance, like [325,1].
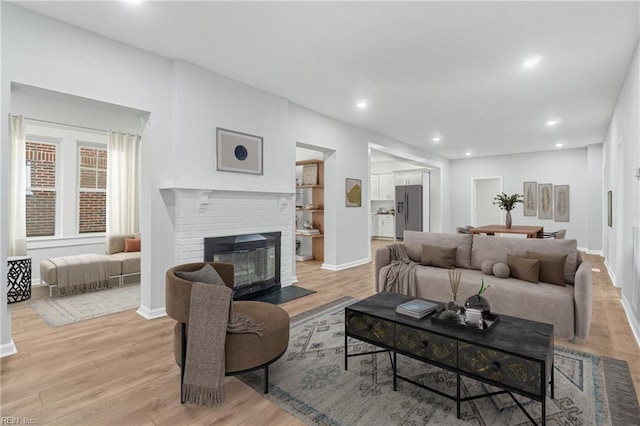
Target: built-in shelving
[314,215]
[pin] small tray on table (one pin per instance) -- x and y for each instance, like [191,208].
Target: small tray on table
[487,323]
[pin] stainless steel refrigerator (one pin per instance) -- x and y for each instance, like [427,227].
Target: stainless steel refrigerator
[408,209]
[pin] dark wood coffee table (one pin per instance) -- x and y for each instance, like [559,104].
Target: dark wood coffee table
[515,355]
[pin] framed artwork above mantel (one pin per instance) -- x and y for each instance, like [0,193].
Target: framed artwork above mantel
[238,152]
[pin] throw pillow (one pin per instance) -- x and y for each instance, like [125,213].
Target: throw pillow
[501,270]
[207,274]
[523,268]
[131,244]
[487,267]
[551,266]
[442,257]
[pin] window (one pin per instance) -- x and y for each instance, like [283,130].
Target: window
[41,199]
[92,193]
[68,172]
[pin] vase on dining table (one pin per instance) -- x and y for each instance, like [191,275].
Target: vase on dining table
[508,222]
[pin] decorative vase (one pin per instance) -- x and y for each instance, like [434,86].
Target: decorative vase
[508,219]
[478,302]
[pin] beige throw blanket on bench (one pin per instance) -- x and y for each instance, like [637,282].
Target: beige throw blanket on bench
[399,276]
[82,273]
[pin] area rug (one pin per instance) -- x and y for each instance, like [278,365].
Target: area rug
[59,311]
[310,382]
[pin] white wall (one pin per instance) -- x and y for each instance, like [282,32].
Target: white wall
[7,346]
[205,101]
[621,153]
[40,104]
[238,203]
[47,54]
[185,104]
[63,108]
[347,228]
[560,167]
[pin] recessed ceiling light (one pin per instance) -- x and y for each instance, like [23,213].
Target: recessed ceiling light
[552,122]
[467,154]
[532,61]
[559,145]
[362,104]
[437,139]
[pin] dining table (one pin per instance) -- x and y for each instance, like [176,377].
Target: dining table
[529,231]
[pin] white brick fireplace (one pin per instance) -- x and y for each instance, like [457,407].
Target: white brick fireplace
[201,213]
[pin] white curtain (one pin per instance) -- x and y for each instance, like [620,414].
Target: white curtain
[122,183]
[17,189]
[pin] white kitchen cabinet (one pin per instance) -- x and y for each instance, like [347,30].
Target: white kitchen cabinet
[383,226]
[409,178]
[387,187]
[382,187]
[375,187]
[387,226]
[373,225]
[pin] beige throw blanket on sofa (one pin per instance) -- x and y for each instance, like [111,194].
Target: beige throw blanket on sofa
[81,273]
[211,316]
[399,276]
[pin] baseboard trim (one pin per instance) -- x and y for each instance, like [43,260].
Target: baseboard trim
[635,324]
[150,314]
[611,274]
[595,252]
[8,349]
[343,266]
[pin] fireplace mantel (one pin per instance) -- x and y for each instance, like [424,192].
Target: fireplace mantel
[205,209]
[177,186]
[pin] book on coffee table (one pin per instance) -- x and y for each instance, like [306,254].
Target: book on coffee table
[417,308]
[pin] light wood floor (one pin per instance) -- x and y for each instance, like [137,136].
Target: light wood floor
[119,369]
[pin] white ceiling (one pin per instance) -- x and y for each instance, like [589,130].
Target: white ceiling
[426,68]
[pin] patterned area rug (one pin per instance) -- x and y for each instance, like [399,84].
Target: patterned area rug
[310,382]
[59,311]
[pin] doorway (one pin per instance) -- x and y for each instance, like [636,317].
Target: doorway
[483,211]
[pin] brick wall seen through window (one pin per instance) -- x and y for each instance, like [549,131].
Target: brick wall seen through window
[41,204]
[92,195]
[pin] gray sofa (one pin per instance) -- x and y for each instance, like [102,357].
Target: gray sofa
[121,263]
[567,307]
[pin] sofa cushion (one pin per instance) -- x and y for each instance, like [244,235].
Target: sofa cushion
[487,247]
[115,242]
[551,266]
[130,261]
[523,268]
[131,245]
[413,240]
[501,270]
[441,257]
[206,274]
[487,267]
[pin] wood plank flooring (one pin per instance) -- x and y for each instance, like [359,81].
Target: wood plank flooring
[119,369]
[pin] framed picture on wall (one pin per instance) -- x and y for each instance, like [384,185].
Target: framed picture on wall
[353,192]
[530,196]
[238,152]
[561,203]
[545,201]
